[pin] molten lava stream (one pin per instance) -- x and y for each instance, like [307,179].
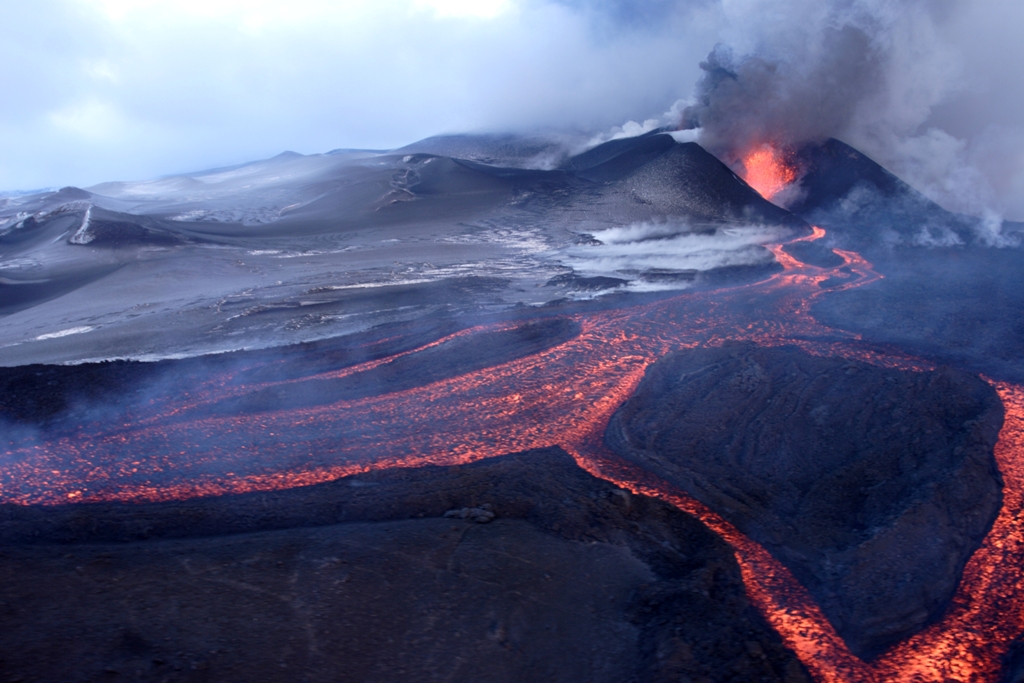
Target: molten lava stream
[966,645]
[561,396]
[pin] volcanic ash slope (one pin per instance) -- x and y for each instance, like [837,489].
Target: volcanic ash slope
[873,485]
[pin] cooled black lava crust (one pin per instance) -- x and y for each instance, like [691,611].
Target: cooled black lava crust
[520,568]
[873,485]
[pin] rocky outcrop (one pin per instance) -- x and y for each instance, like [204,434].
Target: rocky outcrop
[520,568]
[873,485]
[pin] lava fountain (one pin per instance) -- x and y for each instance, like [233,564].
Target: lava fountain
[767,170]
[563,395]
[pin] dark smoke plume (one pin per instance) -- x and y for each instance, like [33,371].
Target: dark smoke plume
[751,100]
[868,72]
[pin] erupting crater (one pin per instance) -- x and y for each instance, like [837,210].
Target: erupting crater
[768,170]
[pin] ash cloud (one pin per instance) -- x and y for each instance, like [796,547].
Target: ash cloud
[903,82]
[926,87]
[746,101]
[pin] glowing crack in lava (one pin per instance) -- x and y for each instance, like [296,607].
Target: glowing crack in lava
[563,396]
[767,171]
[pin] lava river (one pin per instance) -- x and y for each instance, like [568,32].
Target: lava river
[561,396]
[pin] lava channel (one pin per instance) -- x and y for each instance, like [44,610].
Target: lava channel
[561,396]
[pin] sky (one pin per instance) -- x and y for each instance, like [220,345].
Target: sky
[99,90]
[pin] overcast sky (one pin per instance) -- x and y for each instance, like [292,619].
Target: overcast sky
[97,90]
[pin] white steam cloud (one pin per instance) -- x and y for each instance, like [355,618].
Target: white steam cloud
[666,255]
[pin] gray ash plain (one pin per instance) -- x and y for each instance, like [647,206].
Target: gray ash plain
[298,248]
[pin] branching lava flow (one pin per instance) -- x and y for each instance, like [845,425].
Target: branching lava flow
[562,396]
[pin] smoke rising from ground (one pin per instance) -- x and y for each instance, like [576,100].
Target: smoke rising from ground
[642,251]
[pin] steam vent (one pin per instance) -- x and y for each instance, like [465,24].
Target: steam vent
[872,485]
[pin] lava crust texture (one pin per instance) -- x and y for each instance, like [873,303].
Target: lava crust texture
[873,485]
[517,568]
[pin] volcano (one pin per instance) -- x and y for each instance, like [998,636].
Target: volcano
[297,248]
[843,187]
[311,370]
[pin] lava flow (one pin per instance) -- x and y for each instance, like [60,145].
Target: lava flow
[561,396]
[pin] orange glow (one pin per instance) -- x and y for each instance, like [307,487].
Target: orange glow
[562,396]
[766,170]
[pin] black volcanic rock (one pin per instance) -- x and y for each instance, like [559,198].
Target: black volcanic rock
[832,169]
[521,568]
[660,177]
[112,229]
[953,306]
[577,282]
[873,485]
[945,294]
[813,253]
[59,396]
[614,159]
[1013,664]
[869,207]
[447,359]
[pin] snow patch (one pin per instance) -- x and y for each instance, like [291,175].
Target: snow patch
[13,222]
[65,333]
[83,236]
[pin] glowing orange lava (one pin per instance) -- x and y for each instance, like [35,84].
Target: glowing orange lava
[767,171]
[562,396]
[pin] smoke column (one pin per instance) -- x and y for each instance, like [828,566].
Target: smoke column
[872,73]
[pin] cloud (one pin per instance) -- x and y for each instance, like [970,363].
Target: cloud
[651,255]
[190,85]
[614,16]
[482,9]
[887,77]
[98,90]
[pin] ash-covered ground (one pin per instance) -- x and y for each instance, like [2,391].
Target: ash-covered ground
[298,248]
